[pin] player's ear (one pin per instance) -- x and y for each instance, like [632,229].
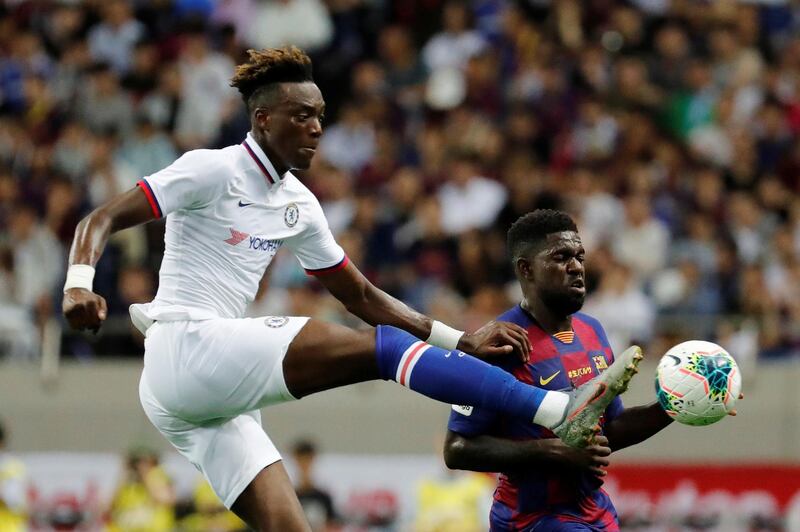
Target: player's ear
[524,268]
[262,118]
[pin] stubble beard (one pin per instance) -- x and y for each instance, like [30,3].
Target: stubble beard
[563,304]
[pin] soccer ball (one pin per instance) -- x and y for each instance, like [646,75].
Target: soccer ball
[697,383]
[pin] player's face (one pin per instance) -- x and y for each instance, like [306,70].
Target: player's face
[559,273]
[295,124]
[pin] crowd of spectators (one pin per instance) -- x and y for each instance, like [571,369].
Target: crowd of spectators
[667,128]
[145,498]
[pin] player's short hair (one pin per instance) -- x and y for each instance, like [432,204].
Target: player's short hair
[2,434]
[266,68]
[531,229]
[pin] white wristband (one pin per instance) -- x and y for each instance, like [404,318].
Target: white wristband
[79,276]
[444,336]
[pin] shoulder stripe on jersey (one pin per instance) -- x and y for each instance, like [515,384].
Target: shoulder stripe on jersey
[330,269]
[258,162]
[151,198]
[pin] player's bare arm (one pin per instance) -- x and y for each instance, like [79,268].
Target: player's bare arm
[375,306]
[491,454]
[634,425]
[82,308]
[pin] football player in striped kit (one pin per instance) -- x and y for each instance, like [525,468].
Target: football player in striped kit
[544,484]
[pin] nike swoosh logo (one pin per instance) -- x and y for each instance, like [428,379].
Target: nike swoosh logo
[676,359]
[543,381]
[243,204]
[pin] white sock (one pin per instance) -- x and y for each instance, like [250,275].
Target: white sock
[552,410]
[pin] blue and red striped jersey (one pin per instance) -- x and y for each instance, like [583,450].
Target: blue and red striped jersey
[524,499]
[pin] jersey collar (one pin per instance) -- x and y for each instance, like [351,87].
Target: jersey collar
[565,337]
[261,160]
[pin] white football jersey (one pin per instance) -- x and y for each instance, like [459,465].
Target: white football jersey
[228,211]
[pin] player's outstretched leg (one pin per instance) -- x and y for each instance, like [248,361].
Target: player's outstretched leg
[457,378]
[588,402]
[324,356]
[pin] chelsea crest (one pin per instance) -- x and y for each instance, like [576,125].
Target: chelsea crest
[276,321]
[291,214]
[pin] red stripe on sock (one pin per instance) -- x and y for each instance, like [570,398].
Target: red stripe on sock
[411,357]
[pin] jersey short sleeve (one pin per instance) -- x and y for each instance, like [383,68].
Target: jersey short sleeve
[470,420]
[315,247]
[191,182]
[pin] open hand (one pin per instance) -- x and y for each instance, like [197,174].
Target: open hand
[84,309]
[497,338]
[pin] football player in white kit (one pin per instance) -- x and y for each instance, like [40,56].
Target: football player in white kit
[208,370]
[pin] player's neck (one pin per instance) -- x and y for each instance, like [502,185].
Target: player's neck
[547,320]
[276,161]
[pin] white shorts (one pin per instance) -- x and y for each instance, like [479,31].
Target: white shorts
[202,385]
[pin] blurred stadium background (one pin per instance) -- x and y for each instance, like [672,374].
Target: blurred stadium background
[668,128]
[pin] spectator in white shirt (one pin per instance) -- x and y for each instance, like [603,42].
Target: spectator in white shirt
[38,257]
[350,143]
[600,211]
[469,200]
[30,270]
[456,43]
[303,23]
[207,97]
[148,150]
[643,240]
[112,40]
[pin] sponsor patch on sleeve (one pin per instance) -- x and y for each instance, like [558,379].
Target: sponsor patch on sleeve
[464,410]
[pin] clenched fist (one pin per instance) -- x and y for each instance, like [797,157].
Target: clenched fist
[84,309]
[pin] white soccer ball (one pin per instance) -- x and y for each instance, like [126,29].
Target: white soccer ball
[697,382]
